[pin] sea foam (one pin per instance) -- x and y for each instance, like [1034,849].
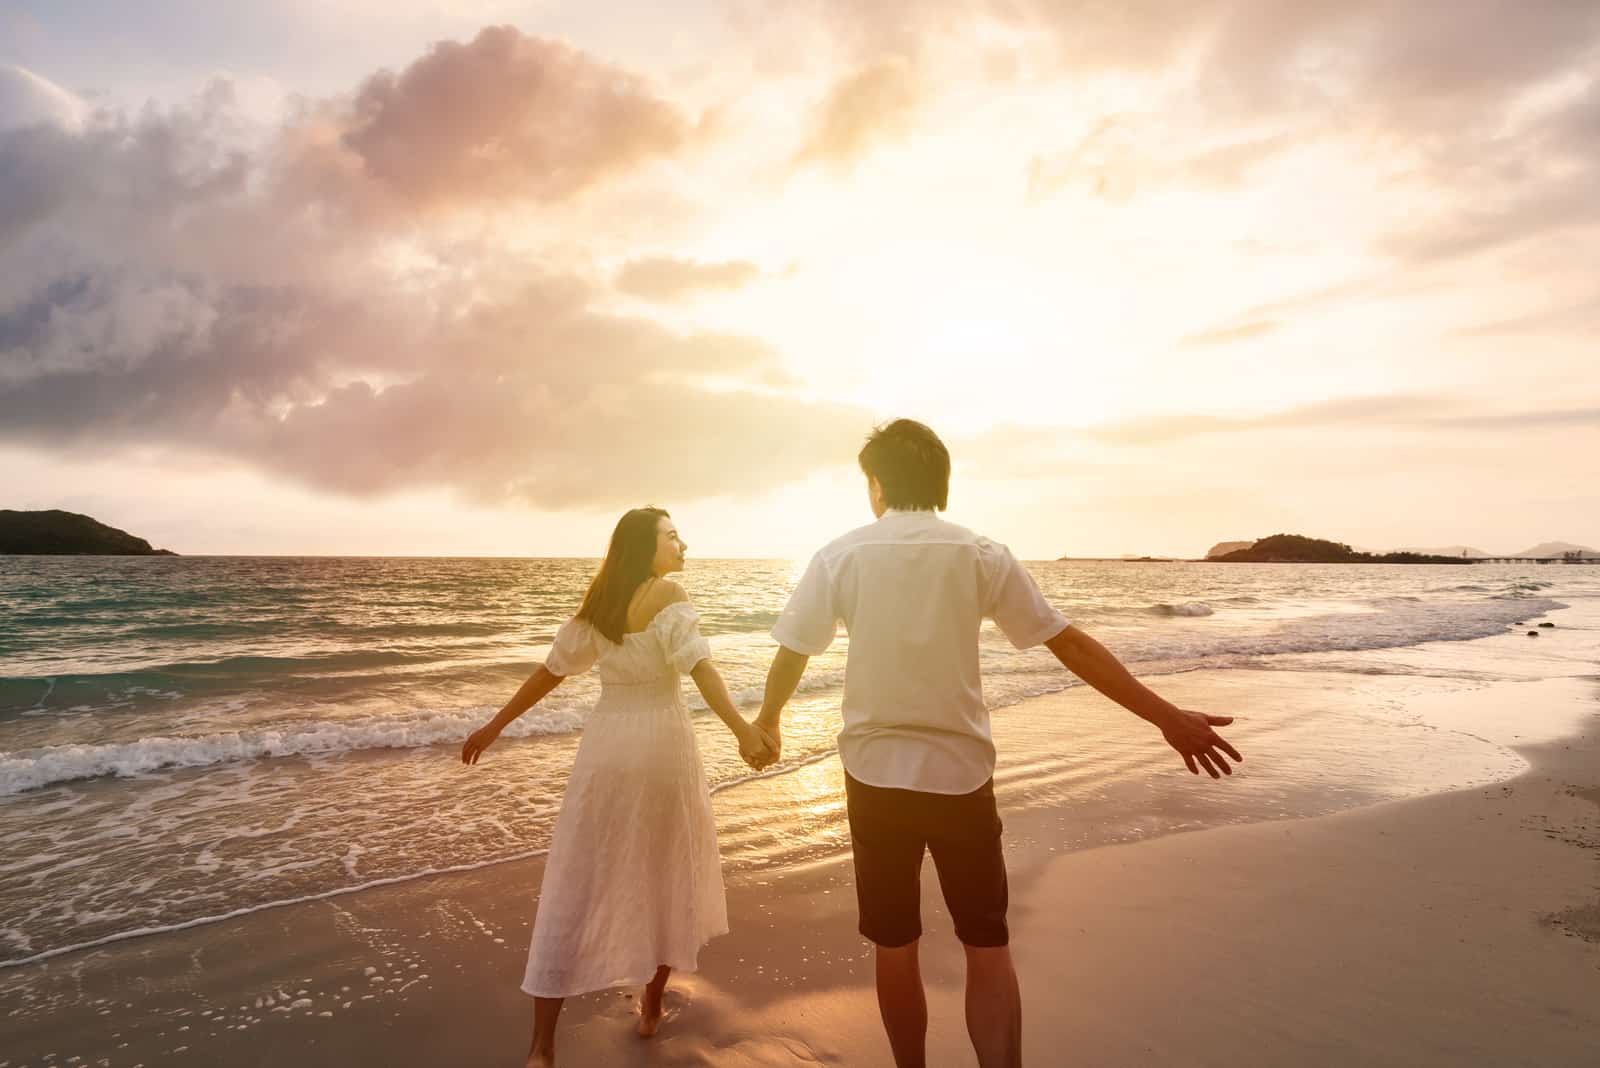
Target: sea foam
[32,769]
[1188,608]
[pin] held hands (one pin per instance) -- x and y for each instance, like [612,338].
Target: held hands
[759,746]
[477,742]
[1191,734]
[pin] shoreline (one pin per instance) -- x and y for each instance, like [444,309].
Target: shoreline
[423,972]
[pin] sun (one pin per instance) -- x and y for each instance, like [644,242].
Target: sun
[972,338]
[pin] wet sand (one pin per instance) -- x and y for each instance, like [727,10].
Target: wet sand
[1452,927]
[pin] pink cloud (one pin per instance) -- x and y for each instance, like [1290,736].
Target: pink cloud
[505,116]
[861,110]
[664,278]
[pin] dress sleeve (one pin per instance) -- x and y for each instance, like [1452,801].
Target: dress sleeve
[573,651]
[680,637]
[811,619]
[1014,602]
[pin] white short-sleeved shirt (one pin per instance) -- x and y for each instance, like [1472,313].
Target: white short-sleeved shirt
[913,591]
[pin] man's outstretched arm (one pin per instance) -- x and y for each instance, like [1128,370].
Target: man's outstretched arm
[782,679]
[1190,733]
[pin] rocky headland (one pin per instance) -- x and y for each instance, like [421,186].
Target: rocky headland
[57,533]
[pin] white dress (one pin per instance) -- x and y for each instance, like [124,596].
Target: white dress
[633,879]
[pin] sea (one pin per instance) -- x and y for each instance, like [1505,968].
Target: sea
[186,739]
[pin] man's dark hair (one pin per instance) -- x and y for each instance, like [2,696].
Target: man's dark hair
[910,463]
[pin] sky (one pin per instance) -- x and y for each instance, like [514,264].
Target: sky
[434,278]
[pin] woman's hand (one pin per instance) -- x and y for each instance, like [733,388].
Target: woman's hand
[477,742]
[753,746]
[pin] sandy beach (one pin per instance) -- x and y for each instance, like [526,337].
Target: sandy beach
[1443,928]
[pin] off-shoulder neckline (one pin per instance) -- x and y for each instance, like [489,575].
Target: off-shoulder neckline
[659,613]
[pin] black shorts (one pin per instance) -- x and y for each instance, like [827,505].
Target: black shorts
[889,829]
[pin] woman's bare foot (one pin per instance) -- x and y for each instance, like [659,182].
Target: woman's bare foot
[649,1013]
[542,1050]
[650,1002]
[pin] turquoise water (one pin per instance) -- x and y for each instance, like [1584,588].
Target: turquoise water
[183,738]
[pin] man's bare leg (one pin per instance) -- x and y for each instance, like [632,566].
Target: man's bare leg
[650,1003]
[542,1054]
[903,1005]
[994,1007]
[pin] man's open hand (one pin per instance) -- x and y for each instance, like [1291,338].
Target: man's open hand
[1193,736]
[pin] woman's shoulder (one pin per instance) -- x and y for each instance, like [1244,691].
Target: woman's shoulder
[662,593]
[662,600]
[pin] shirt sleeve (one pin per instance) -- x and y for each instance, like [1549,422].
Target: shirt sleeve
[1014,602]
[573,651]
[811,619]
[681,639]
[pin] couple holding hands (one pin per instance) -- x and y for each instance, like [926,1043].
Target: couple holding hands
[633,882]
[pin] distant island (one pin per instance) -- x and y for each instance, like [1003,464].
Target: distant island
[58,533]
[1297,549]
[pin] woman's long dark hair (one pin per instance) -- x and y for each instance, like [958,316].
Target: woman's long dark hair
[630,559]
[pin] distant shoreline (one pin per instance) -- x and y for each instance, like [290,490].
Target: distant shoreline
[54,532]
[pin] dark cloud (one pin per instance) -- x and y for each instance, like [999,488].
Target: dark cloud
[28,323]
[537,400]
[665,279]
[166,282]
[504,117]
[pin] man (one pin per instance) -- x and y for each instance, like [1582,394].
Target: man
[912,591]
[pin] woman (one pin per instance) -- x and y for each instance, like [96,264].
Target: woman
[633,883]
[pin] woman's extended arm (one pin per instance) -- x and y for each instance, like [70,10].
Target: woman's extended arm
[752,746]
[530,693]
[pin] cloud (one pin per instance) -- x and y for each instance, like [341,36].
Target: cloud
[1227,335]
[1567,318]
[663,278]
[538,398]
[1447,106]
[303,300]
[861,110]
[1124,155]
[1388,410]
[1537,179]
[1403,412]
[1550,419]
[1387,284]
[504,116]
[29,100]
[502,119]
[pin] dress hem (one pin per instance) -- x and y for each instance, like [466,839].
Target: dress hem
[692,966]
